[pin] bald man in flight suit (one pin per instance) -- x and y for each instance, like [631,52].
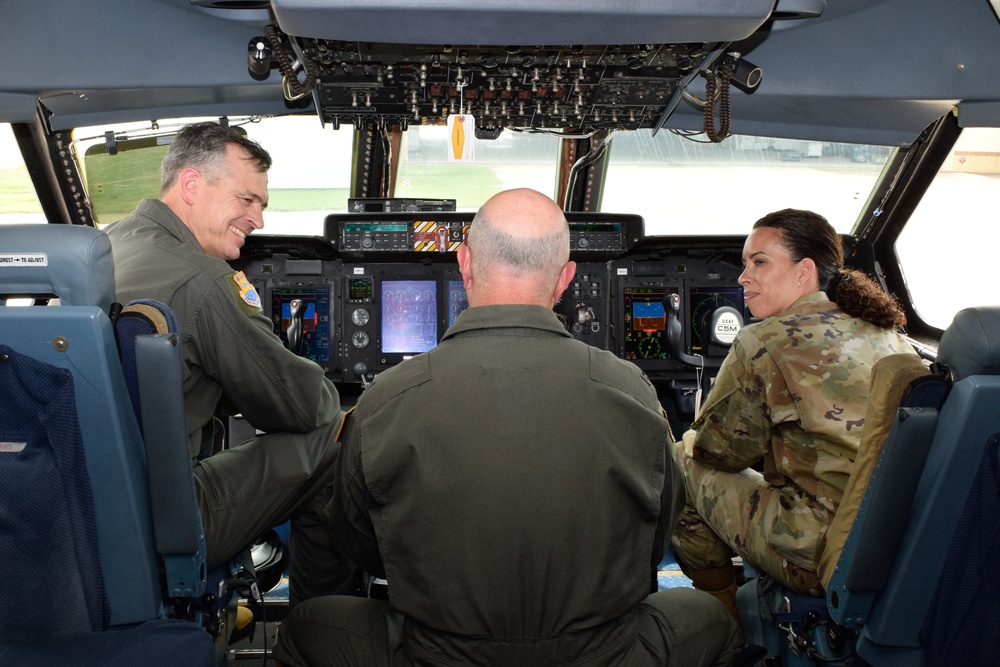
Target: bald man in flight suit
[516,488]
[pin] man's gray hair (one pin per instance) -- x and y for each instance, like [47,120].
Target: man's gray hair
[492,246]
[203,146]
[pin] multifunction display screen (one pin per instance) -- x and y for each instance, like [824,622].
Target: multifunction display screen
[409,316]
[645,335]
[308,328]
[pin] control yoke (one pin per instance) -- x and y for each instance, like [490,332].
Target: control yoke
[297,309]
[720,328]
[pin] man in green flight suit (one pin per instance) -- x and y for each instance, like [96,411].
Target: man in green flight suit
[515,487]
[174,250]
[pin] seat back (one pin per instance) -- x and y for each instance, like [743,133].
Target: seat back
[865,528]
[77,519]
[75,265]
[961,454]
[962,626]
[889,391]
[867,531]
[152,362]
[911,556]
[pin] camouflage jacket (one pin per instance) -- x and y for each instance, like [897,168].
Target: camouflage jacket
[793,392]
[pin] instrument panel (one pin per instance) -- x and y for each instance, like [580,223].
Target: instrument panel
[380,287]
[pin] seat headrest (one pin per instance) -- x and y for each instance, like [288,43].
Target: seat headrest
[72,262]
[971,344]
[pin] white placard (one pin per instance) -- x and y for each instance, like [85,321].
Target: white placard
[24,259]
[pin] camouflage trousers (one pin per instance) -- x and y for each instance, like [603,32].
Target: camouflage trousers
[737,513]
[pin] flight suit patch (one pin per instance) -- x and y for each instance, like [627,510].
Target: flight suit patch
[247,292]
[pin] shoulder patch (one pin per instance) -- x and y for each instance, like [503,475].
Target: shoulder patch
[246,290]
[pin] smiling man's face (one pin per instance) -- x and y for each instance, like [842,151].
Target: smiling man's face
[230,205]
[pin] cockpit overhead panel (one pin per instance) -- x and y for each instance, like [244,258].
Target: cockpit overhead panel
[591,87]
[586,87]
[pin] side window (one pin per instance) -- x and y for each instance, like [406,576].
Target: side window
[947,251]
[117,182]
[18,201]
[680,183]
[310,175]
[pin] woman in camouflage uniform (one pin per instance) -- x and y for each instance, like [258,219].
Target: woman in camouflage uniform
[791,394]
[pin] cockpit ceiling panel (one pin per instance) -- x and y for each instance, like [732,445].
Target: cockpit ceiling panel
[523,22]
[586,87]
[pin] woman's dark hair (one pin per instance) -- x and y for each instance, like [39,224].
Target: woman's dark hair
[808,234]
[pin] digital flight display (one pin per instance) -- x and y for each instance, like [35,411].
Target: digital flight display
[649,315]
[409,316]
[645,335]
[307,330]
[359,290]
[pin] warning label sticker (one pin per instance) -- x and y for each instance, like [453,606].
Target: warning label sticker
[24,259]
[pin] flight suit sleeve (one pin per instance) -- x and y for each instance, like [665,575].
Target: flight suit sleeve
[273,388]
[673,493]
[350,521]
[672,499]
[733,431]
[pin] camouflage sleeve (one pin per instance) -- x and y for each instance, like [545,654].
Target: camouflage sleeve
[734,429]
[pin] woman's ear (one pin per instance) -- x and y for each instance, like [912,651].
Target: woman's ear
[807,271]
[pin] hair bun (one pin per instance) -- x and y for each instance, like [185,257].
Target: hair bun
[835,282]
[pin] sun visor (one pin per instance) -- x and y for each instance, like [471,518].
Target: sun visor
[522,22]
[15,108]
[979,113]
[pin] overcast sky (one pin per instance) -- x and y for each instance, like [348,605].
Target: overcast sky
[9,155]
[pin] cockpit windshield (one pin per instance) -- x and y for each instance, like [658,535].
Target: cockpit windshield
[682,184]
[678,182]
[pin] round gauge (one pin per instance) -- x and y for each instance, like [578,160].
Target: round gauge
[360,316]
[649,348]
[360,339]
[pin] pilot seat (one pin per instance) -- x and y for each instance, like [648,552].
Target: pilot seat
[911,561]
[100,532]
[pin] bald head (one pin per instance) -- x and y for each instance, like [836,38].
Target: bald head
[517,251]
[525,213]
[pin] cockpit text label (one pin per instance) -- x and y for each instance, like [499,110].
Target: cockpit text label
[24,259]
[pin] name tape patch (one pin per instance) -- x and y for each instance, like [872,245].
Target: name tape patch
[12,447]
[24,259]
